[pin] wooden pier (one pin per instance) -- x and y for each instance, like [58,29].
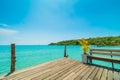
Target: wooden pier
[64,69]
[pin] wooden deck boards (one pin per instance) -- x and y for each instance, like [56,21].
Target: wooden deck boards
[64,69]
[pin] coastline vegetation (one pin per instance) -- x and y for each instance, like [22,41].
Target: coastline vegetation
[99,41]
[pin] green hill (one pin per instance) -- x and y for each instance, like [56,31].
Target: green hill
[100,41]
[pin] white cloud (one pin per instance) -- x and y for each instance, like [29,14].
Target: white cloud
[3,25]
[4,31]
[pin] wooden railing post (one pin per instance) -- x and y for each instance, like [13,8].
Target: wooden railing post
[13,58]
[91,55]
[112,62]
[65,54]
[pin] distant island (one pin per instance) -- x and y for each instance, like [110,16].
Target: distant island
[99,41]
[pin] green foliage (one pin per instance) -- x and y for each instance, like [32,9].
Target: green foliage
[99,41]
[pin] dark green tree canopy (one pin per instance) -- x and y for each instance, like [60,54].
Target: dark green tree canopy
[99,41]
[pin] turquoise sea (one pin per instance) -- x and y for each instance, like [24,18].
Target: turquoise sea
[30,55]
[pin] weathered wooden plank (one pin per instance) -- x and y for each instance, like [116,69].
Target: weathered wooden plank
[109,50]
[116,76]
[106,53]
[99,74]
[53,71]
[44,68]
[71,72]
[92,75]
[73,76]
[119,76]
[58,71]
[104,59]
[110,75]
[104,75]
[83,73]
[38,73]
[88,73]
[62,72]
[57,74]
[42,72]
[36,69]
[34,75]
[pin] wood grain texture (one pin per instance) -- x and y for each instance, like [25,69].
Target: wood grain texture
[64,69]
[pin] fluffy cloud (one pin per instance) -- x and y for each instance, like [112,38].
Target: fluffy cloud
[4,31]
[3,25]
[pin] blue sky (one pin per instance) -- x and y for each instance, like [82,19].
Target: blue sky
[46,21]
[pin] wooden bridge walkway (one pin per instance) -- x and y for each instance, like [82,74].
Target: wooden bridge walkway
[64,69]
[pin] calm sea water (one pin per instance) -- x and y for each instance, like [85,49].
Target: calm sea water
[30,55]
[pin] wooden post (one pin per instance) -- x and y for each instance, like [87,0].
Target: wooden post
[65,55]
[112,62]
[13,58]
[91,55]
